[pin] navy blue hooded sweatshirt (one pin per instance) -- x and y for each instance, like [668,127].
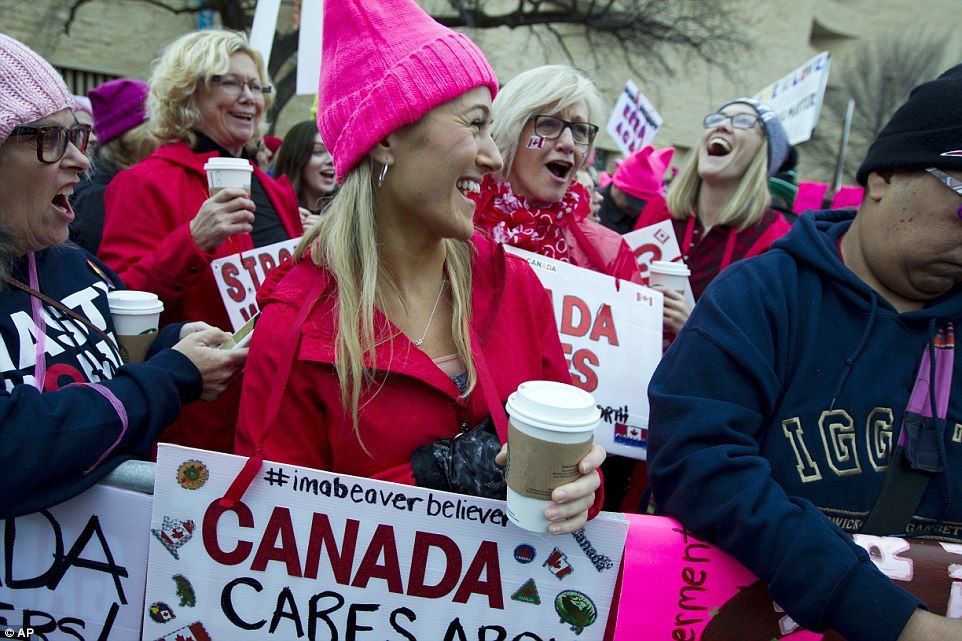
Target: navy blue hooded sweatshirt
[51,442]
[773,416]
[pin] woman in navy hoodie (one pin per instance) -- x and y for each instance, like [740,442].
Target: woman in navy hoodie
[69,411]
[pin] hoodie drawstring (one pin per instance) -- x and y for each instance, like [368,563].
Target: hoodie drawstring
[850,361]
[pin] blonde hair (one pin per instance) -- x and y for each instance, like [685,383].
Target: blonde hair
[549,88]
[130,147]
[345,243]
[747,205]
[185,65]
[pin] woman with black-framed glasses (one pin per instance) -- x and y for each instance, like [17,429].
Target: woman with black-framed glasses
[209,96]
[70,411]
[544,125]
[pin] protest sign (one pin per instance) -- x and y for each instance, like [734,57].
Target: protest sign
[612,337]
[634,121]
[684,588]
[239,276]
[797,98]
[655,242]
[337,557]
[77,570]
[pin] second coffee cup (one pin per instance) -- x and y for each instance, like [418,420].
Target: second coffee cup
[669,274]
[551,428]
[228,172]
[136,317]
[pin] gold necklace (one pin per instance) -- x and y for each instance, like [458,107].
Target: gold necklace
[418,342]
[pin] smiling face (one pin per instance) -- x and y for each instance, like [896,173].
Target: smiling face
[725,152]
[542,175]
[231,120]
[434,164]
[317,176]
[906,241]
[33,195]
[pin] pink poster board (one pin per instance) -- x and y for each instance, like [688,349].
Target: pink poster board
[675,586]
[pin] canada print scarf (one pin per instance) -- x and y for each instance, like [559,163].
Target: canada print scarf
[508,218]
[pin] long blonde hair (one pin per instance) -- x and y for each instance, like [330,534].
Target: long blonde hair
[345,243]
[747,205]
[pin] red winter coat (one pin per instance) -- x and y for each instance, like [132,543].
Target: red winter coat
[415,403]
[147,242]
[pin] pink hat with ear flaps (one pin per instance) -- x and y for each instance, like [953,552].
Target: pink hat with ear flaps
[642,174]
[385,63]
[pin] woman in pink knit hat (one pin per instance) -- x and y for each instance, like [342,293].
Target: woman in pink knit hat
[397,328]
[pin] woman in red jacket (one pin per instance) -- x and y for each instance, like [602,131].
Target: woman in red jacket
[543,125]
[370,345]
[208,96]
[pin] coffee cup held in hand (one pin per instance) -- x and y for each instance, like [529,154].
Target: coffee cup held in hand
[136,317]
[669,274]
[550,429]
[228,172]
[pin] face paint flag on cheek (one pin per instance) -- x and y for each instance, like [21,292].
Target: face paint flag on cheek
[535,142]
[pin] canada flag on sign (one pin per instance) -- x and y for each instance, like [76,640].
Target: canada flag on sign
[194,632]
[557,563]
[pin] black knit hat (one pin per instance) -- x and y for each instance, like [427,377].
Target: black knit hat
[925,132]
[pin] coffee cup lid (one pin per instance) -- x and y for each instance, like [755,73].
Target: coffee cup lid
[554,406]
[217,162]
[670,267]
[133,301]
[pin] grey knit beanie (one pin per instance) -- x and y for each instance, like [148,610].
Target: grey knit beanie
[29,87]
[774,132]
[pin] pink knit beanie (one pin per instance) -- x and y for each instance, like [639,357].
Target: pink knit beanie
[385,63]
[29,87]
[119,105]
[642,174]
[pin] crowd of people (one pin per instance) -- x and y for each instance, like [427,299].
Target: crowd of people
[805,397]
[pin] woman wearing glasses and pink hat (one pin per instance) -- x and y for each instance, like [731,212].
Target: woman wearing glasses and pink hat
[209,93]
[69,410]
[544,126]
[397,328]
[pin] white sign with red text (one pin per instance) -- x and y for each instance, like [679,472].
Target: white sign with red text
[634,121]
[612,336]
[655,242]
[328,556]
[239,276]
[76,570]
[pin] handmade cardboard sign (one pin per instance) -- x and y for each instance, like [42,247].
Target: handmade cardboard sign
[77,570]
[634,121]
[612,337]
[655,242]
[239,276]
[684,588]
[797,97]
[332,556]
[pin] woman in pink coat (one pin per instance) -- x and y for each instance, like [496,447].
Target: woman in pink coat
[374,343]
[544,126]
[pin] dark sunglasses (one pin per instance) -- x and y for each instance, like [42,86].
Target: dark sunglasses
[52,139]
[950,182]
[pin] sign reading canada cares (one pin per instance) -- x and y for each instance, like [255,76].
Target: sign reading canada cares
[327,556]
[611,333]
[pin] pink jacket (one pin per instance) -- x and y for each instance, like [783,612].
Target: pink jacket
[414,403]
[147,242]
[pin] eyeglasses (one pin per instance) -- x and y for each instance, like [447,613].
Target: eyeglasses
[52,139]
[549,128]
[739,121]
[235,86]
[950,182]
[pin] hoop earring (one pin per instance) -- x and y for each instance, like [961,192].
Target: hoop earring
[380,178]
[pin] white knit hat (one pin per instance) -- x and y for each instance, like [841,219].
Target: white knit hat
[29,87]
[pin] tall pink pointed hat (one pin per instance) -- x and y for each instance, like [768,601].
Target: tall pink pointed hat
[642,174]
[384,64]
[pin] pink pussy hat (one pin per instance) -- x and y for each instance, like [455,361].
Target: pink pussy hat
[642,174]
[119,105]
[385,63]
[29,87]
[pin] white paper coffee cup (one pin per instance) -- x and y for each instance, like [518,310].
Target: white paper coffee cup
[228,172]
[551,428]
[136,317]
[670,275]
